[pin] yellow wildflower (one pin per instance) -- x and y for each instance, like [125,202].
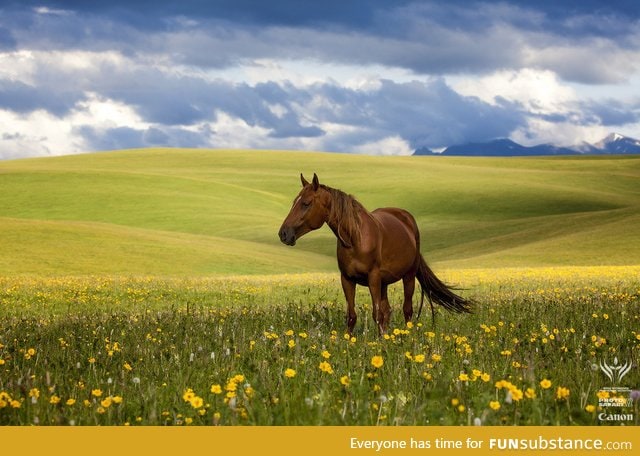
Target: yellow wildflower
[516,393]
[188,395]
[562,393]
[494,405]
[545,384]
[377,361]
[216,389]
[325,367]
[290,373]
[196,402]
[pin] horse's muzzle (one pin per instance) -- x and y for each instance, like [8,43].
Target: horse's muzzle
[287,235]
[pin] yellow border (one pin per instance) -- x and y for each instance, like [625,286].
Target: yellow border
[325,441]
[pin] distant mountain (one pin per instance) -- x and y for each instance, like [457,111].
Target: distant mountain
[504,148]
[618,144]
[612,144]
[425,151]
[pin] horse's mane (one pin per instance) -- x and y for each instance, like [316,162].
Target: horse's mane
[344,215]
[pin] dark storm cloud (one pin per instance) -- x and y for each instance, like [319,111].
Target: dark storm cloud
[131,138]
[352,14]
[160,59]
[610,112]
[23,98]
[7,41]
[425,37]
[155,14]
[424,114]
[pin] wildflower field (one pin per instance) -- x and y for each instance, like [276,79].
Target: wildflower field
[272,350]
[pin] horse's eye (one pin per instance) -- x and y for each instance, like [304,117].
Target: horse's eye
[306,204]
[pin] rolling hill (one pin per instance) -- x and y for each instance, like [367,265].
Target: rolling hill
[202,212]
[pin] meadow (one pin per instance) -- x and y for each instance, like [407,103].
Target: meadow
[169,212]
[149,288]
[272,350]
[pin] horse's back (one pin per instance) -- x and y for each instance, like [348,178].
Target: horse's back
[396,221]
[399,239]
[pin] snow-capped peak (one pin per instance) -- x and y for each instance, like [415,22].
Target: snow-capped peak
[617,143]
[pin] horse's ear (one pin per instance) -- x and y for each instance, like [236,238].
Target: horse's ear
[303,180]
[316,182]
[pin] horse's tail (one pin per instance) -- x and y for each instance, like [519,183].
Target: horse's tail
[438,292]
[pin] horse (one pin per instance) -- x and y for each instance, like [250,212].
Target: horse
[374,249]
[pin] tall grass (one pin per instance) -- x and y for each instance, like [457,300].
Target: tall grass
[273,351]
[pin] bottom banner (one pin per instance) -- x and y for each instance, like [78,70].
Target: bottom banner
[354,441]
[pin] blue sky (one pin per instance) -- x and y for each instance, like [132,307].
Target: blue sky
[355,76]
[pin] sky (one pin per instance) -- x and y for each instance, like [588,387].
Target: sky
[353,76]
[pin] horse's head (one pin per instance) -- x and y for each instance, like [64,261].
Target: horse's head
[309,211]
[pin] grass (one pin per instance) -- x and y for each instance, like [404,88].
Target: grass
[149,288]
[194,212]
[271,350]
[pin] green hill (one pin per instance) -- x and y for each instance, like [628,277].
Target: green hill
[197,212]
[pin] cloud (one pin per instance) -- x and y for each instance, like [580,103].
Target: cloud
[131,138]
[611,112]
[23,98]
[358,76]
[7,41]
[429,38]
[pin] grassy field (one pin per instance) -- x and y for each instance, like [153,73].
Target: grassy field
[271,350]
[186,213]
[150,288]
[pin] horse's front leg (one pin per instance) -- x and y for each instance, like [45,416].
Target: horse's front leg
[349,289]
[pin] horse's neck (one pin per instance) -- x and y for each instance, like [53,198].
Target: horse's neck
[348,234]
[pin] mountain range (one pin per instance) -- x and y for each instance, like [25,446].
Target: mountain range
[503,147]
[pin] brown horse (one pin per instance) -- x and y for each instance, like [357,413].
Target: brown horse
[375,249]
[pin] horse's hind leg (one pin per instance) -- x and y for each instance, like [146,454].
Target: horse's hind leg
[409,283]
[384,312]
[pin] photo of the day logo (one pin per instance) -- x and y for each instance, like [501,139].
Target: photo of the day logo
[615,372]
